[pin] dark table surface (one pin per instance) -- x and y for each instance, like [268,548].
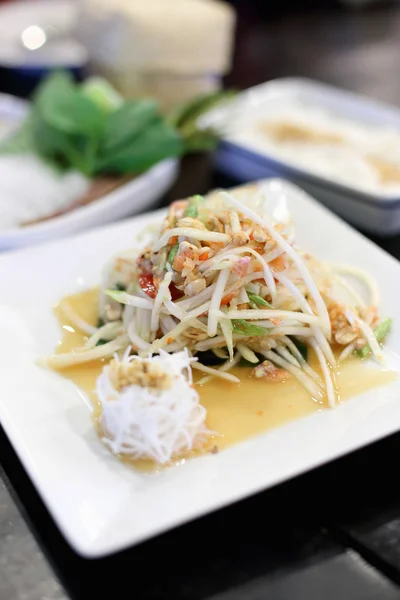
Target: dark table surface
[331,533]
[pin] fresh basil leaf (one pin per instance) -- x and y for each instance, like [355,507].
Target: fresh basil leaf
[243,327]
[101,92]
[60,149]
[156,143]
[64,107]
[127,123]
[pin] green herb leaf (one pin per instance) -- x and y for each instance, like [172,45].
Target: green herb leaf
[201,141]
[185,119]
[172,253]
[243,327]
[185,115]
[102,93]
[63,106]
[256,299]
[89,128]
[126,123]
[381,331]
[155,143]
[120,286]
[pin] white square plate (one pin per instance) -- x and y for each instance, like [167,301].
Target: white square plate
[101,505]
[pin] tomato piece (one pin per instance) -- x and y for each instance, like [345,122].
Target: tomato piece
[175,293]
[146,282]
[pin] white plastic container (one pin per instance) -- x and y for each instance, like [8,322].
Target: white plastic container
[246,159]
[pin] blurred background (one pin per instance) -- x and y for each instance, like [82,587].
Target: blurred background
[180,54]
[353,43]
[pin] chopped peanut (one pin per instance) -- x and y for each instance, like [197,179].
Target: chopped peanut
[137,372]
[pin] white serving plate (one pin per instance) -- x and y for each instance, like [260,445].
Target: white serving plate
[247,160]
[129,199]
[102,506]
[12,111]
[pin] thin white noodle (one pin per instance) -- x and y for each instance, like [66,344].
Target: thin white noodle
[247,353]
[304,305]
[137,341]
[243,297]
[218,340]
[162,294]
[235,221]
[205,295]
[270,256]
[271,325]
[330,391]
[215,302]
[284,352]
[62,361]
[215,372]
[303,271]
[131,300]
[108,332]
[76,320]
[147,334]
[163,342]
[300,331]
[229,364]
[268,314]
[269,279]
[347,351]
[226,328]
[167,323]
[136,323]
[368,333]
[176,311]
[306,381]
[293,349]
[127,316]
[304,364]
[190,232]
